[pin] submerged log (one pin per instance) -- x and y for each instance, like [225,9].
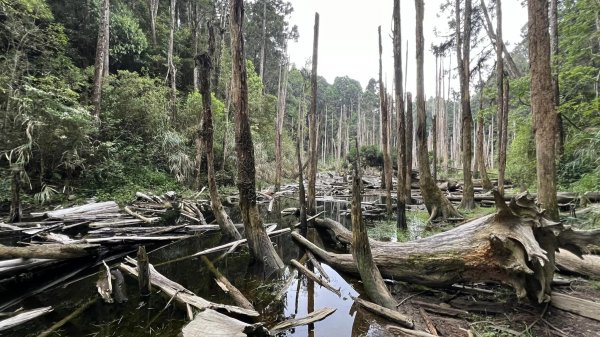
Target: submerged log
[312,317]
[390,314]
[210,323]
[514,246]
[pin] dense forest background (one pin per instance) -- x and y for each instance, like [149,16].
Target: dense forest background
[145,136]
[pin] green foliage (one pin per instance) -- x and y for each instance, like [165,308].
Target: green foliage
[520,164]
[370,155]
[127,40]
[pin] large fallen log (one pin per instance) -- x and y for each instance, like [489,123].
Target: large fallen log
[576,305]
[515,246]
[23,317]
[210,323]
[588,265]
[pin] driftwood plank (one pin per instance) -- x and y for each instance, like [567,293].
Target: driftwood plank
[314,277]
[23,317]
[576,305]
[314,316]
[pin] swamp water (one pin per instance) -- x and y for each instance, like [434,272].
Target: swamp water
[153,317]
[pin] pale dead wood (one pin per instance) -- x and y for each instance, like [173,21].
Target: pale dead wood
[428,322]
[67,318]
[139,216]
[588,265]
[398,331]
[23,317]
[317,265]
[314,316]
[392,315]
[210,323]
[576,305]
[314,277]
[49,251]
[234,292]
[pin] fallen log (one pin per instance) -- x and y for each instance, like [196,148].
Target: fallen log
[210,323]
[398,331]
[501,247]
[67,318]
[587,265]
[314,277]
[312,317]
[49,251]
[576,305]
[23,317]
[234,292]
[181,294]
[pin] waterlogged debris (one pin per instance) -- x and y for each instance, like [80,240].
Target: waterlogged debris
[210,323]
[23,317]
[314,316]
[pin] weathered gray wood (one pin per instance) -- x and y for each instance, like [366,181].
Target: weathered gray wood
[398,331]
[314,277]
[181,294]
[143,268]
[317,265]
[95,208]
[314,316]
[49,251]
[67,318]
[588,266]
[23,317]
[390,314]
[576,305]
[234,292]
[123,238]
[210,323]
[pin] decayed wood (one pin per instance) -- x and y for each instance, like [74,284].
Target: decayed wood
[432,307]
[312,317]
[210,323]
[314,277]
[181,294]
[139,216]
[95,208]
[428,322]
[234,292]
[135,238]
[143,268]
[501,247]
[576,305]
[23,317]
[49,251]
[390,314]
[317,265]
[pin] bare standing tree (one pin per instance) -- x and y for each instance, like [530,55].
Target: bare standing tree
[101,51]
[437,204]
[387,162]
[153,14]
[281,97]
[401,144]
[500,99]
[205,68]
[172,71]
[542,105]
[312,125]
[560,136]
[260,245]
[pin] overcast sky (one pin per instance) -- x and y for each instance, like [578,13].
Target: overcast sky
[348,42]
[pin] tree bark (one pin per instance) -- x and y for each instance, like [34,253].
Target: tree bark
[172,71]
[153,14]
[487,184]
[542,105]
[101,50]
[401,144]
[361,250]
[263,42]
[463,51]
[204,68]
[409,146]
[16,212]
[509,247]
[437,204]
[513,70]
[555,70]
[500,97]
[312,125]
[387,162]
[260,245]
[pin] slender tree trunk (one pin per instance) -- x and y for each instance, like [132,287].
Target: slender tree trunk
[361,250]
[409,146]
[101,50]
[279,122]
[542,105]
[153,14]
[463,58]
[260,245]
[312,124]
[480,131]
[15,190]
[437,204]
[263,42]
[195,23]
[513,70]
[172,71]
[387,162]
[560,136]
[105,69]
[503,138]
[205,65]
[301,191]
[401,143]
[500,97]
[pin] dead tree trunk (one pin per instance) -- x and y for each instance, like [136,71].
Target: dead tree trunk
[260,245]
[500,97]
[101,50]
[205,67]
[153,14]
[387,162]
[560,135]
[401,144]
[263,45]
[312,124]
[514,246]
[279,122]
[16,212]
[409,145]
[512,66]
[361,250]
[172,71]
[437,204]
[463,52]
[542,105]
